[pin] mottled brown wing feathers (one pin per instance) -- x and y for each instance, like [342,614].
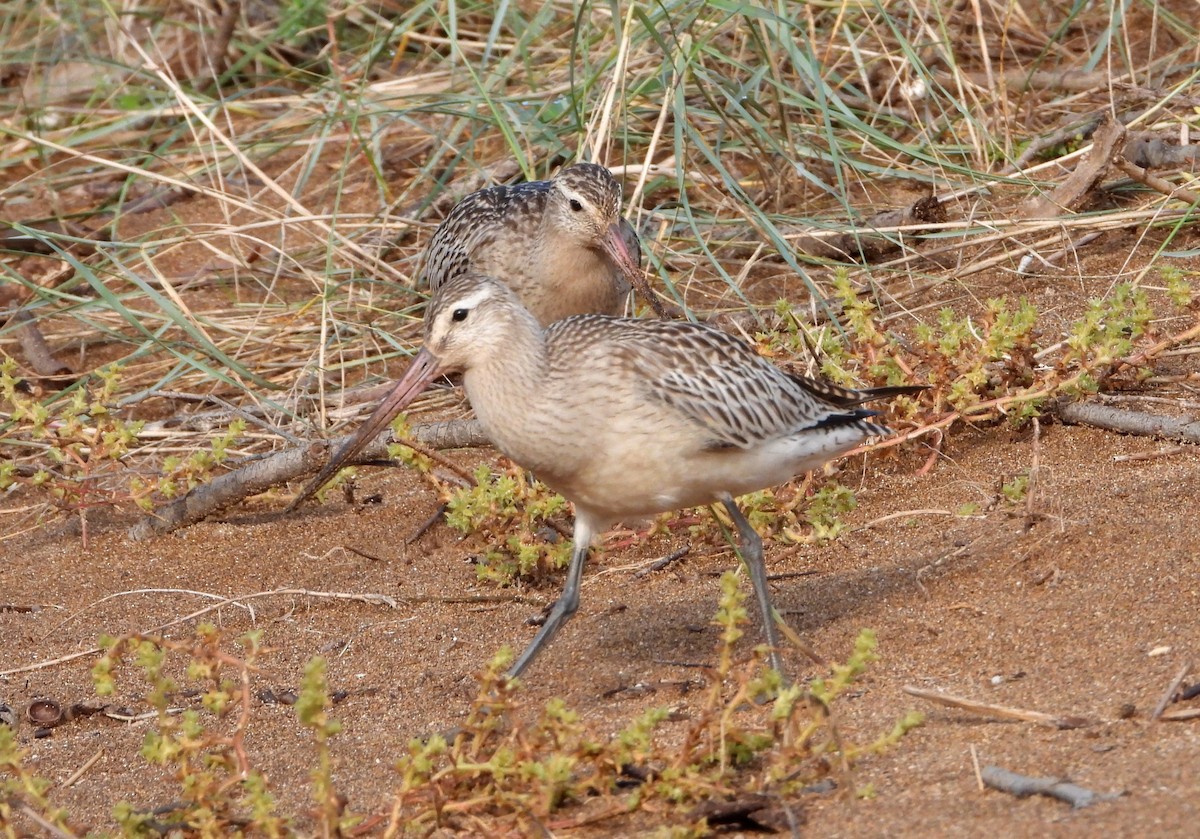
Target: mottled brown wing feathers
[720,383]
[475,223]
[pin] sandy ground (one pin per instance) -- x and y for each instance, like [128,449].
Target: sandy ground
[1084,607]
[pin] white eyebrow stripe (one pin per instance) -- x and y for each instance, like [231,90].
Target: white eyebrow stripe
[471,301]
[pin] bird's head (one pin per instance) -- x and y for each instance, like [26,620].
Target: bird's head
[470,321]
[585,204]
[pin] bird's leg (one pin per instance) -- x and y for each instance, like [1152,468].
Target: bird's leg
[752,556]
[566,604]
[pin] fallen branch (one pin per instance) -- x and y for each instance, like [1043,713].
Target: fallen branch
[1005,712]
[1023,786]
[288,465]
[1107,143]
[1129,422]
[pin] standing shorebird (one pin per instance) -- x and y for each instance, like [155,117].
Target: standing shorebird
[625,418]
[561,245]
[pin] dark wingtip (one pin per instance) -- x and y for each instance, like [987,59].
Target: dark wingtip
[848,418]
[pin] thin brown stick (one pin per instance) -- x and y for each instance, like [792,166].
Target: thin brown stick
[1034,472]
[1144,176]
[54,630]
[38,819]
[219,50]
[472,598]
[1006,712]
[1141,358]
[799,643]
[1152,455]
[1169,694]
[370,598]
[662,562]
[424,526]
[74,777]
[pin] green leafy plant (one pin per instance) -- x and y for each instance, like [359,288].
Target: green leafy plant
[508,762]
[84,448]
[22,791]
[204,746]
[501,503]
[1015,489]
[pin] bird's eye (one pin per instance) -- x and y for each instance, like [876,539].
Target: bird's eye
[576,205]
[459,315]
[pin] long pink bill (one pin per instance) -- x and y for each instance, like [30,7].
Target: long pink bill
[424,369]
[617,249]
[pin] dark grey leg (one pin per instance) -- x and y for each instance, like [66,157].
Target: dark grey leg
[564,607]
[752,556]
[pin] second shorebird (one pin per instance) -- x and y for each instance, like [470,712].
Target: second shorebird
[561,245]
[625,418]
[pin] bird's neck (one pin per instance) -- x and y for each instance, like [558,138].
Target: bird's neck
[506,389]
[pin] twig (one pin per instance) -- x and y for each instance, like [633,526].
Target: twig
[74,777]
[1129,422]
[37,818]
[1139,359]
[1034,469]
[1169,694]
[54,629]
[1002,711]
[373,599]
[471,598]
[1167,452]
[1051,260]
[903,514]
[1024,785]
[799,643]
[1082,128]
[431,453]
[1155,182]
[424,526]
[1182,404]
[975,765]
[34,346]
[208,398]
[662,562]
[218,51]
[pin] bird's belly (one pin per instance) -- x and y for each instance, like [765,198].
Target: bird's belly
[631,483]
